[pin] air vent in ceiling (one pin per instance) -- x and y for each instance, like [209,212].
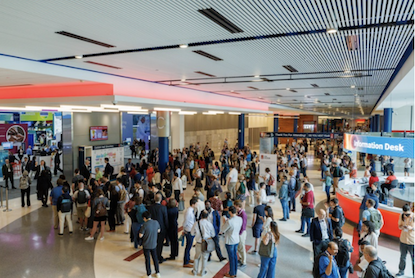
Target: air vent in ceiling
[253,88]
[64,33]
[290,68]
[294,91]
[207,55]
[266,79]
[294,100]
[327,94]
[204,73]
[102,65]
[279,95]
[360,88]
[219,19]
[334,98]
[315,85]
[352,42]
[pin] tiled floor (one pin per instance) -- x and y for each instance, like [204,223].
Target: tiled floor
[30,247]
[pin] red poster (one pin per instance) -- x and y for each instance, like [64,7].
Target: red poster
[14,133]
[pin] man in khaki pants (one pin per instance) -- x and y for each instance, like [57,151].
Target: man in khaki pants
[232,180]
[337,173]
[55,193]
[242,234]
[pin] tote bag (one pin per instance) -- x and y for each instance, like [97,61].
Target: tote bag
[267,250]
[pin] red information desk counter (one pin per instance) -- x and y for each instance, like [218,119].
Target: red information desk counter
[351,205]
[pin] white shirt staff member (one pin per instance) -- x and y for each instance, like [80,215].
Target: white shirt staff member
[177,187]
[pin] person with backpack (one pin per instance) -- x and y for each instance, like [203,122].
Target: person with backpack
[325,265]
[119,216]
[108,170]
[344,254]
[24,186]
[337,173]
[336,215]
[269,180]
[113,206]
[283,196]
[81,197]
[241,190]
[292,191]
[373,215]
[99,206]
[64,207]
[376,268]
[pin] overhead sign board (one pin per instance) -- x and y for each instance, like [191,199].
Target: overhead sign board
[391,146]
[321,135]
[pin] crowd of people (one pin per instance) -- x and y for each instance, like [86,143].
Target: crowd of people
[147,203]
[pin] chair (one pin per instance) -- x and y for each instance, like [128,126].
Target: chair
[394,183]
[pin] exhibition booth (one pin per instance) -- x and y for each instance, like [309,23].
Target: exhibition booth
[352,191]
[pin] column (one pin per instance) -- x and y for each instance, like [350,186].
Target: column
[387,119]
[295,125]
[371,124]
[177,131]
[276,126]
[241,131]
[163,127]
[377,123]
[67,137]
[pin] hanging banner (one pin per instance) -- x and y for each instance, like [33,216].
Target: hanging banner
[321,135]
[391,146]
[14,133]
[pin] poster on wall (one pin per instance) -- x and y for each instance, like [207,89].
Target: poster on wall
[14,133]
[115,154]
[41,138]
[268,161]
[142,125]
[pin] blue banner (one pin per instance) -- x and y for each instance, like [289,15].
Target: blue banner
[321,135]
[391,146]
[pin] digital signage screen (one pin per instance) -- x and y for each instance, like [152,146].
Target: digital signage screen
[98,133]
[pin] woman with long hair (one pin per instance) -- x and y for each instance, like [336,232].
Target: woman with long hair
[368,234]
[268,263]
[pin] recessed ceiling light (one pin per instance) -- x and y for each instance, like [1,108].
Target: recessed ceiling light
[287,89]
[234,113]
[183,79]
[256,76]
[167,109]
[79,56]
[331,30]
[353,86]
[347,71]
[184,46]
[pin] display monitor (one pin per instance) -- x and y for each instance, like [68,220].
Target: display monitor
[7,145]
[98,133]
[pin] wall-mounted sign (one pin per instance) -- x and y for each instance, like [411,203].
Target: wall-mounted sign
[327,135]
[391,146]
[98,133]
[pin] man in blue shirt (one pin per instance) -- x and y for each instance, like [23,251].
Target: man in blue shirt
[29,151]
[54,195]
[327,264]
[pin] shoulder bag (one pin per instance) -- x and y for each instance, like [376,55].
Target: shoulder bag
[207,245]
[267,250]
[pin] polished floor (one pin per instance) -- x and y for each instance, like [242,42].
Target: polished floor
[30,247]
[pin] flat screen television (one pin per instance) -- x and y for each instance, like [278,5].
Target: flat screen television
[98,133]
[7,145]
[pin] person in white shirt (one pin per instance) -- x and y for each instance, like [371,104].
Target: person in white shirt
[407,166]
[231,228]
[188,222]
[177,187]
[201,230]
[200,204]
[232,180]
[361,263]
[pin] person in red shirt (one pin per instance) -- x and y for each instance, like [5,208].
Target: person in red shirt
[373,178]
[388,182]
[307,202]
[150,173]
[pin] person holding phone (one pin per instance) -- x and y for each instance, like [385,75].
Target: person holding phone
[406,225]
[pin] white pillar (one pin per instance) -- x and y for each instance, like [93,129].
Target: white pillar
[177,131]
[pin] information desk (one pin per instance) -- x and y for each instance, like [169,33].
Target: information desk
[350,195]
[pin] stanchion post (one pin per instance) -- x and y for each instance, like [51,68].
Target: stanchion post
[7,201]
[1,196]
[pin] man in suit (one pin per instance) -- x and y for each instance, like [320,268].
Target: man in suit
[25,164]
[85,170]
[108,169]
[321,232]
[159,213]
[7,171]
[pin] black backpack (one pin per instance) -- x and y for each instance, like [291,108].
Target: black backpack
[316,265]
[297,185]
[383,271]
[343,256]
[82,197]
[66,205]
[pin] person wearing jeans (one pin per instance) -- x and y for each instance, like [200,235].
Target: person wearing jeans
[24,186]
[188,222]
[283,195]
[149,232]
[64,207]
[308,210]
[406,225]
[267,268]
[231,228]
